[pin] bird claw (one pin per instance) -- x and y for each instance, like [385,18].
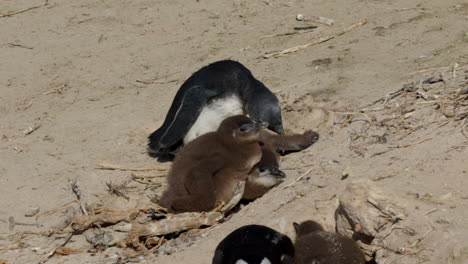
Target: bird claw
[219,206]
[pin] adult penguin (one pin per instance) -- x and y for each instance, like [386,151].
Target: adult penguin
[213,93]
[254,244]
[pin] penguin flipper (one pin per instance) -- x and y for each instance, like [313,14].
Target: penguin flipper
[187,111]
[218,257]
[287,249]
[285,144]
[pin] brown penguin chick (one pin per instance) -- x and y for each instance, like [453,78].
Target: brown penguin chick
[267,173]
[207,170]
[315,246]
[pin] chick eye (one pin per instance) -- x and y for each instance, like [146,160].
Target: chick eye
[242,129]
[261,169]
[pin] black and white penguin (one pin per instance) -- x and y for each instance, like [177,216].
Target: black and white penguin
[315,246]
[213,93]
[254,244]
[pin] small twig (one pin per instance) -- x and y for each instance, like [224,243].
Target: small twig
[426,70]
[105,166]
[286,34]
[431,211]
[412,144]
[320,40]
[388,175]
[299,178]
[385,99]
[58,90]
[77,192]
[142,176]
[54,210]
[31,129]
[156,79]
[380,153]
[15,45]
[52,252]
[24,10]
[454,70]
[117,189]
[422,237]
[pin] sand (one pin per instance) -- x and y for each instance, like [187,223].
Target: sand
[83,82]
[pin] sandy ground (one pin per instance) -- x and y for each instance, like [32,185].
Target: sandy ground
[86,81]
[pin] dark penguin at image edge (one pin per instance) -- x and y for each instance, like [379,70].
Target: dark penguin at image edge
[313,245]
[213,93]
[254,244]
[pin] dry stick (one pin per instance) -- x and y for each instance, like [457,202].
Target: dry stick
[52,252]
[24,10]
[14,45]
[54,210]
[116,190]
[454,70]
[156,79]
[299,178]
[173,223]
[142,176]
[320,40]
[287,34]
[434,69]
[385,99]
[77,192]
[105,166]
[412,144]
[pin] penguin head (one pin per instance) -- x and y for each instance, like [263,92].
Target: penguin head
[241,128]
[306,227]
[267,108]
[268,176]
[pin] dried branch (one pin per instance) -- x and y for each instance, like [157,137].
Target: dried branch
[320,40]
[172,224]
[77,192]
[104,216]
[24,10]
[105,166]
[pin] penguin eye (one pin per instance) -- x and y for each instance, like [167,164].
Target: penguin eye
[261,169]
[245,127]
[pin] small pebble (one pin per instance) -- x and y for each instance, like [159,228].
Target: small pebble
[300,17]
[32,211]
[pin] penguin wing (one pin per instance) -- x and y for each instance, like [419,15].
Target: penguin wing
[181,116]
[290,143]
[200,178]
[218,257]
[286,248]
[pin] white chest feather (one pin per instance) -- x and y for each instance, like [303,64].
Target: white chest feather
[264,261]
[264,179]
[212,115]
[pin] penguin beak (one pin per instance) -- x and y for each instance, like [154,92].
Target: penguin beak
[278,173]
[261,124]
